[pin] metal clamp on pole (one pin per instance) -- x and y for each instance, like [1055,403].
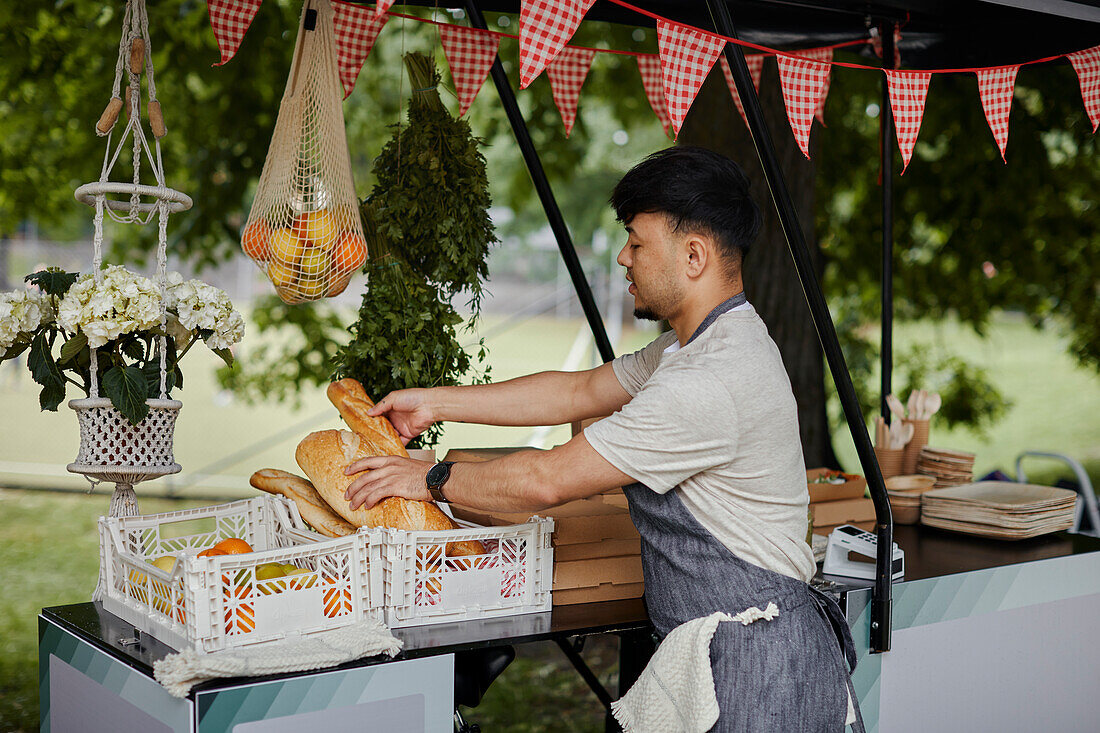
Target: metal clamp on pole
[546,195]
[826,332]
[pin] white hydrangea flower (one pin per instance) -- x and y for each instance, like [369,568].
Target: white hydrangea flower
[22,312]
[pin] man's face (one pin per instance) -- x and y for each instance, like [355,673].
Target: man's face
[649,257]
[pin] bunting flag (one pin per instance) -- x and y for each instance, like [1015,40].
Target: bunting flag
[687,56]
[1087,65]
[995,87]
[756,66]
[470,54]
[381,7]
[567,73]
[908,90]
[545,26]
[802,81]
[825,56]
[230,19]
[356,31]
[649,66]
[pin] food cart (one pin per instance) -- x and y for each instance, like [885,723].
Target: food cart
[1003,603]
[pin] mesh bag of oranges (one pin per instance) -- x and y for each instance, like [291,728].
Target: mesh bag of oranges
[304,228]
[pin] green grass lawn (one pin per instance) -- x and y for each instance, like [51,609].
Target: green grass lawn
[48,550]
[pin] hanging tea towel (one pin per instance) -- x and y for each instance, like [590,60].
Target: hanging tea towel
[180,672]
[675,692]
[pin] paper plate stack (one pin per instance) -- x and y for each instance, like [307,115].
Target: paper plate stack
[999,509]
[948,467]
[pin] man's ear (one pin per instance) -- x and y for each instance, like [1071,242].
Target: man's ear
[698,255]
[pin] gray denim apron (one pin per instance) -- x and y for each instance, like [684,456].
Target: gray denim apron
[786,674]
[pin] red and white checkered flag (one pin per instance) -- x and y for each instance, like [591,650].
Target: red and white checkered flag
[381,7]
[649,66]
[995,87]
[1087,65]
[230,19]
[357,29]
[908,90]
[687,56]
[545,26]
[470,54]
[825,56]
[756,66]
[567,73]
[802,82]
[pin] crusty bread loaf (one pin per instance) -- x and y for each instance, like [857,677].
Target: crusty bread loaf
[325,454]
[353,403]
[311,506]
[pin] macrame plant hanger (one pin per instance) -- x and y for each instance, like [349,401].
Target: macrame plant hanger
[111,448]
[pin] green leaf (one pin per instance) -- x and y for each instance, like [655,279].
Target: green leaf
[72,347]
[152,379]
[226,356]
[51,396]
[53,280]
[15,350]
[133,348]
[127,388]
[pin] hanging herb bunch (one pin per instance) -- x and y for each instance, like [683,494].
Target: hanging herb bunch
[428,232]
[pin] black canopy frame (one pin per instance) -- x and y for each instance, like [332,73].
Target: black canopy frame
[936,34]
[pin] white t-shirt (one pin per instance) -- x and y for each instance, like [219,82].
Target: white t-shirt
[716,420]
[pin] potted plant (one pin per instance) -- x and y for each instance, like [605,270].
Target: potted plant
[62,318]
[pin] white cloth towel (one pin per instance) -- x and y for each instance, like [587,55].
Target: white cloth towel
[675,692]
[180,672]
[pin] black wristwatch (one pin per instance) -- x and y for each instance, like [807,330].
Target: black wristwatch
[437,476]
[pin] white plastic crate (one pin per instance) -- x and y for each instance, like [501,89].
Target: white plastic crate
[424,585]
[212,603]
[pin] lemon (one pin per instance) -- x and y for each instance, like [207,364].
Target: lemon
[167,563]
[319,227]
[314,263]
[285,247]
[282,275]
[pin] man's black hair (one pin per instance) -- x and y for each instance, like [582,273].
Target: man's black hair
[700,191]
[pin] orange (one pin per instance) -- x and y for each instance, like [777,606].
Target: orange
[337,603]
[211,552]
[233,546]
[286,247]
[254,240]
[350,252]
[337,284]
[317,227]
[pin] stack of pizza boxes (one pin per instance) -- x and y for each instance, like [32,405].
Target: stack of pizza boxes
[839,502]
[597,550]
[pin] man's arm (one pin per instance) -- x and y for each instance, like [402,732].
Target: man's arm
[524,481]
[546,398]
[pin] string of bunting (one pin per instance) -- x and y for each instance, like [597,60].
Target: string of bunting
[670,78]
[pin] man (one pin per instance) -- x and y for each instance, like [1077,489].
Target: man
[702,433]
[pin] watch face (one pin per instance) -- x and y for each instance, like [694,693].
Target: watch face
[438,474]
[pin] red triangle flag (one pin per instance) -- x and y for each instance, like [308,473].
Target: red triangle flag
[381,7]
[687,56]
[756,66]
[1087,65]
[567,73]
[908,90]
[230,19]
[825,56]
[470,54]
[545,26]
[649,65]
[802,82]
[356,31]
[995,87]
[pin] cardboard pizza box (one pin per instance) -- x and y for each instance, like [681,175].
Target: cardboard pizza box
[844,511]
[602,592]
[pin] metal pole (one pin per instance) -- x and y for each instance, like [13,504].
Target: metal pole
[886,144]
[826,333]
[546,195]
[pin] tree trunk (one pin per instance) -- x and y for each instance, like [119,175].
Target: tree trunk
[771,282]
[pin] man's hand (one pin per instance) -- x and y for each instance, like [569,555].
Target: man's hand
[387,476]
[409,410]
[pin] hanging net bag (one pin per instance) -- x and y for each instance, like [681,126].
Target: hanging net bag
[304,228]
[111,447]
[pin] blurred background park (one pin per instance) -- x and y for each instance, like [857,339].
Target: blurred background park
[996,288]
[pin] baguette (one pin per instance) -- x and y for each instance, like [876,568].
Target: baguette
[352,401]
[311,506]
[325,454]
